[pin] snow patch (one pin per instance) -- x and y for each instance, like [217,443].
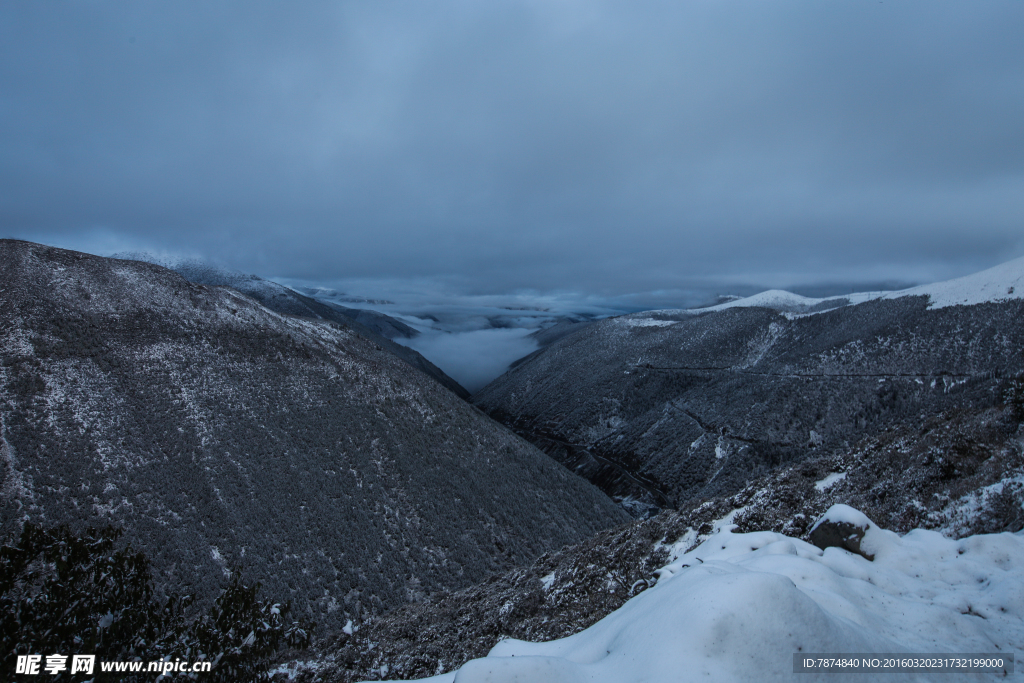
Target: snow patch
[728,521]
[829,481]
[962,513]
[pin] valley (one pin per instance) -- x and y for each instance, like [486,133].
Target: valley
[228,423]
[511,342]
[220,434]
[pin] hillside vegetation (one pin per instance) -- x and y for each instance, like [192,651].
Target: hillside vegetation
[219,434]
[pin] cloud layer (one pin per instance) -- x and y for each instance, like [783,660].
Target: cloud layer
[474,358]
[612,149]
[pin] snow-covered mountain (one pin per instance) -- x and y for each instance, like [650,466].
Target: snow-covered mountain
[671,407]
[378,327]
[221,433]
[742,606]
[998,284]
[694,592]
[920,410]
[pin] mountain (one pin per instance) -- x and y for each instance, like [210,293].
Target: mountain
[563,327]
[566,592]
[763,606]
[668,408]
[948,459]
[220,433]
[959,473]
[378,327]
[286,300]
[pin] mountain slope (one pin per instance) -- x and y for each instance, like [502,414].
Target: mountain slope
[1001,283]
[378,327]
[961,474]
[670,407]
[283,299]
[754,606]
[220,433]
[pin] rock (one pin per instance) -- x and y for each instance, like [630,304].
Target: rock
[842,527]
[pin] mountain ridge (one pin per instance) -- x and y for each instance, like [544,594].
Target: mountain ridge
[695,402]
[999,283]
[381,328]
[219,433]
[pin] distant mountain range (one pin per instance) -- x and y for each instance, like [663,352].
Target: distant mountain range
[762,413]
[219,432]
[664,408]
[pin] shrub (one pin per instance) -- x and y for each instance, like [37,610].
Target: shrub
[65,593]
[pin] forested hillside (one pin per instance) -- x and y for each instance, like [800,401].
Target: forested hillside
[666,408]
[220,434]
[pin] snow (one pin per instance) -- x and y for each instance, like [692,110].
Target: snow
[961,513]
[1005,281]
[740,605]
[844,514]
[829,481]
[727,521]
[777,299]
[1000,283]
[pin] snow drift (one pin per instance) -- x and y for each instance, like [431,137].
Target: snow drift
[739,606]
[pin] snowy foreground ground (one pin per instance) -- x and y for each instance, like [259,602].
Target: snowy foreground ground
[738,606]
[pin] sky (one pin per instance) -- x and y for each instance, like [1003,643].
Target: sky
[635,154]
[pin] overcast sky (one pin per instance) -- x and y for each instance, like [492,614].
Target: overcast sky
[610,149]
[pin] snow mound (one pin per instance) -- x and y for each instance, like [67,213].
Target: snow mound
[844,514]
[739,606]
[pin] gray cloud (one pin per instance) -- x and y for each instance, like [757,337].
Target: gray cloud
[613,149]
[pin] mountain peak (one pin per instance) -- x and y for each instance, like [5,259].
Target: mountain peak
[999,283]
